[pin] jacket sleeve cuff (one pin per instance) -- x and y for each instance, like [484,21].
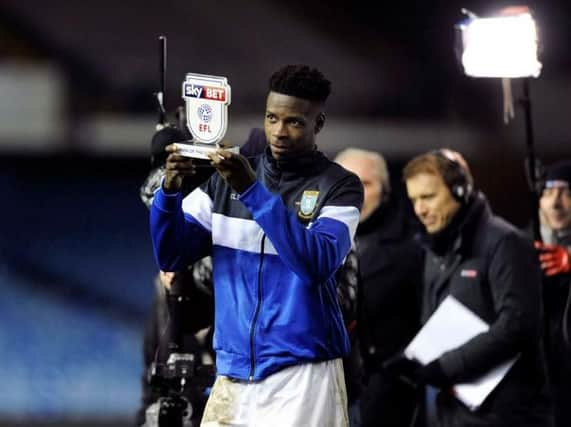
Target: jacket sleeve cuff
[167,202]
[434,374]
[255,196]
[451,364]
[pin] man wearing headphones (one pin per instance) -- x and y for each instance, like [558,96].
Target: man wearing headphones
[491,268]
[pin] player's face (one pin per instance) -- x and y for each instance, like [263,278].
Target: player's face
[432,201]
[291,124]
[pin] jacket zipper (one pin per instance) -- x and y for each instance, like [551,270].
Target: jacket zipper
[257,312]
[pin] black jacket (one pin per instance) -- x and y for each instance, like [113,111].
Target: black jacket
[556,296]
[390,265]
[491,268]
[389,311]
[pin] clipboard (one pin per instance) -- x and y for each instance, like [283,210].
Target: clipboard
[449,327]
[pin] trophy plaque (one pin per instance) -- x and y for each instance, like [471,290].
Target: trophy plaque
[206,99]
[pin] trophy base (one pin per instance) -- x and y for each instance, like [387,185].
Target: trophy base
[197,150]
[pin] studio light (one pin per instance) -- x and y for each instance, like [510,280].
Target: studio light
[500,46]
[505,46]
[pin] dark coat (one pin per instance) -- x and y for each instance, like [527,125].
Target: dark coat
[556,295]
[556,299]
[491,268]
[390,263]
[389,311]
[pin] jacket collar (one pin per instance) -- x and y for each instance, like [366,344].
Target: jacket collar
[304,165]
[384,222]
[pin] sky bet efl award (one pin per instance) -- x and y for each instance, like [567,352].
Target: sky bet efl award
[207,99]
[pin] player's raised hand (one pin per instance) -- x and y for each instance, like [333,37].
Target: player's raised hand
[177,167]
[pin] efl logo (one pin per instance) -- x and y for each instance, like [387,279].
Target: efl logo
[206,104]
[205,92]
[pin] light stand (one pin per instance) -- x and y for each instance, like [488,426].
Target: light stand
[531,161]
[505,46]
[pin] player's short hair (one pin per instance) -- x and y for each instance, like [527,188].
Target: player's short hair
[301,81]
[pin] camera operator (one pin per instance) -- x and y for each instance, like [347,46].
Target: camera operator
[177,348]
[178,334]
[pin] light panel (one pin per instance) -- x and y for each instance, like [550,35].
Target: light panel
[503,46]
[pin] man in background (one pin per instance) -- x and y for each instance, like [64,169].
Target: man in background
[491,268]
[555,259]
[390,264]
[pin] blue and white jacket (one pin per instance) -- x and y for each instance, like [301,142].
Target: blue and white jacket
[276,248]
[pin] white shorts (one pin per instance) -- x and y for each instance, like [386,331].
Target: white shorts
[308,395]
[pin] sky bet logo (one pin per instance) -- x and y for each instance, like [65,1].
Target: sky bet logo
[205,92]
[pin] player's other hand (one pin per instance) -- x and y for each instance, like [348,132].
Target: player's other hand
[234,168]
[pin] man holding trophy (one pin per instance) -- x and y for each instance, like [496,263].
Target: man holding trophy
[278,226]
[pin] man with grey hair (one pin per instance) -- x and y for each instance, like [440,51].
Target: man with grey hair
[371,168]
[390,263]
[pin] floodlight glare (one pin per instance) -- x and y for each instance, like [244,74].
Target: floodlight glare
[502,46]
